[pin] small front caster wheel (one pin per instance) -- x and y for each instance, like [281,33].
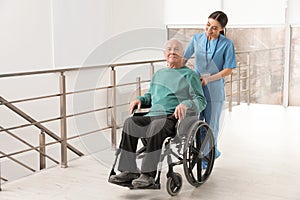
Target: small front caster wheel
[174,184]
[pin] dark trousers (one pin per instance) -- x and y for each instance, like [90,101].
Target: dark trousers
[155,129]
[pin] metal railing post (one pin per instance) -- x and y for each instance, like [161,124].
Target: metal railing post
[114,109]
[138,86]
[231,93]
[42,151]
[63,121]
[151,70]
[239,83]
[0,176]
[249,79]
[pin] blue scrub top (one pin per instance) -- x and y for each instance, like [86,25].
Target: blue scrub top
[222,50]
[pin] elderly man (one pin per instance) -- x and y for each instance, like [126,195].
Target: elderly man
[173,91]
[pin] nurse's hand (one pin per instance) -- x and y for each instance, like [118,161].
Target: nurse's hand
[204,81]
[210,78]
[180,112]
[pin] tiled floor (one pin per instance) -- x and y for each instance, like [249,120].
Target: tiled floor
[260,147]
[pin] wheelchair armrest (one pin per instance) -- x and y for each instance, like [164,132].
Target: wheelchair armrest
[141,111]
[191,113]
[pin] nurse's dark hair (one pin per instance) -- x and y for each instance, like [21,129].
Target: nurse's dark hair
[221,17]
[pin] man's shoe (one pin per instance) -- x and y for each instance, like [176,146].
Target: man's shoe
[123,177]
[143,181]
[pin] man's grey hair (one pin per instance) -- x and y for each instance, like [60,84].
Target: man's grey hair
[174,40]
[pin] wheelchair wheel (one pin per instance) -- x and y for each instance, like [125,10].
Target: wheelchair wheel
[199,153]
[174,184]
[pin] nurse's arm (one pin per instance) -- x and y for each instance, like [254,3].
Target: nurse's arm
[217,76]
[225,72]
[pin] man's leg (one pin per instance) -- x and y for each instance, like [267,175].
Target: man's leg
[133,129]
[159,130]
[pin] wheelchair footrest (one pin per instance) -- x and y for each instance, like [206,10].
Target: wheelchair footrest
[154,186]
[130,186]
[124,184]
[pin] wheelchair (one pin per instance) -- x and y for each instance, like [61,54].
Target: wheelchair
[193,147]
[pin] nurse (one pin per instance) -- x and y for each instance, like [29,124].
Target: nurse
[214,59]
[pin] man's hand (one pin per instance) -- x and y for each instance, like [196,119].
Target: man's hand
[135,103]
[180,112]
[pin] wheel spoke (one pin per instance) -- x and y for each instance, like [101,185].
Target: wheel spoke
[195,157]
[207,159]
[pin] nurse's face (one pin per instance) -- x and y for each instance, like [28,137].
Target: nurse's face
[213,28]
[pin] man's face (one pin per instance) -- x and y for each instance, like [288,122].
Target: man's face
[173,53]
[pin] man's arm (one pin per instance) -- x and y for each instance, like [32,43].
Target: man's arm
[198,100]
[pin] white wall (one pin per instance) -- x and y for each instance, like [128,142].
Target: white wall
[294,7]
[254,12]
[82,27]
[136,14]
[189,11]
[135,25]
[78,27]
[37,35]
[25,35]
